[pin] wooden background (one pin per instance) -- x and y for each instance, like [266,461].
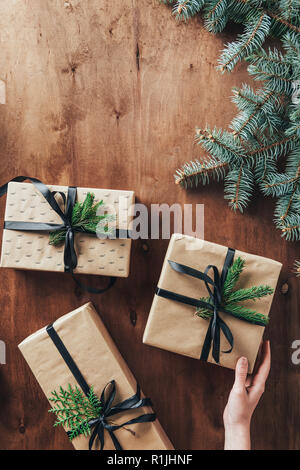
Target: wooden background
[107,94]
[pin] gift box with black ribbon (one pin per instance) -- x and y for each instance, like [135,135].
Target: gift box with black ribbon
[90,387]
[212,302]
[53,228]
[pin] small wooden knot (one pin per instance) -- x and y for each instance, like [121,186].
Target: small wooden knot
[133,317]
[21,427]
[284,288]
[145,247]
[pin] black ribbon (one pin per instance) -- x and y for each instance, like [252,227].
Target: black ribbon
[99,424]
[216,323]
[70,257]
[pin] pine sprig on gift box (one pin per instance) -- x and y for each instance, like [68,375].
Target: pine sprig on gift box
[74,410]
[84,216]
[233,275]
[231,297]
[251,293]
[243,313]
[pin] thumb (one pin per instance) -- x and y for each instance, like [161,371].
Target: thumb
[241,370]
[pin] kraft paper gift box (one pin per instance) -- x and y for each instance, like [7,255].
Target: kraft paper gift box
[174,326]
[31,250]
[99,361]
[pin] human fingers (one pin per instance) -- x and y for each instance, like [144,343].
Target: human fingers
[259,379]
[241,370]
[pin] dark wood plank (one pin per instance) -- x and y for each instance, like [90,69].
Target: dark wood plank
[107,94]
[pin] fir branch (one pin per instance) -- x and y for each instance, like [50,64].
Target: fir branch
[264,131]
[232,277]
[297,268]
[243,313]
[275,148]
[194,173]
[277,78]
[264,166]
[215,15]
[239,187]
[281,184]
[185,9]
[232,296]
[256,30]
[259,18]
[251,293]
[289,8]
[84,217]
[74,410]
[267,126]
[222,145]
[288,204]
[286,24]
[290,227]
[247,314]
[265,113]
[293,130]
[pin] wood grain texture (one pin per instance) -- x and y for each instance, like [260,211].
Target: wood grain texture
[107,94]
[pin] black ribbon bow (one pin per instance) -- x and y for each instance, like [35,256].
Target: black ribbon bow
[99,424]
[70,257]
[214,287]
[108,409]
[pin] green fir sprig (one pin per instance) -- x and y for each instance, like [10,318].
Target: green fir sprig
[74,410]
[231,297]
[84,217]
[260,18]
[297,268]
[265,134]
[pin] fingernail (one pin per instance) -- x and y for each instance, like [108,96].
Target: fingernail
[244,360]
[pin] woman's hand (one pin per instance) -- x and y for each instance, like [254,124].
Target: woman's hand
[242,401]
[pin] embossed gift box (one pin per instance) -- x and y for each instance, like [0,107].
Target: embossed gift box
[174,326]
[31,250]
[99,361]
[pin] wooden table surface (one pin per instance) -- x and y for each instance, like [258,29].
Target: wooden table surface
[107,94]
